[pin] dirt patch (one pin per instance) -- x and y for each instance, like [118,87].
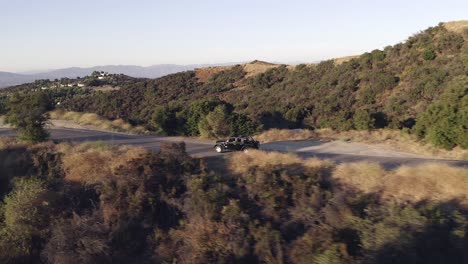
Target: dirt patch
[204,74]
[257,67]
[341,60]
[105,88]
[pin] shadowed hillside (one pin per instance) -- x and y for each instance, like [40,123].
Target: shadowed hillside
[129,205]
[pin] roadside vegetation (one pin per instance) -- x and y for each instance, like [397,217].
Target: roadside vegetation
[418,86]
[96,122]
[276,134]
[28,115]
[394,139]
[129,205]
[2,121]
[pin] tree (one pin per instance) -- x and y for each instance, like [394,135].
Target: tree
[3,104]
[28,114]
[160,120]
[197,111]
[215,124]
[444,123]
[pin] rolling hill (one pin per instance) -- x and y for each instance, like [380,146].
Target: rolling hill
[154,71]
[419,86]
[9,79]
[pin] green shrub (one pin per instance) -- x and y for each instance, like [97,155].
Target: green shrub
[161,121]
[445,121]
[429,54]
[363,120]
[26,217]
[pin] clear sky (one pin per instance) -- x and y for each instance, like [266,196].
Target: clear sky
[48,34]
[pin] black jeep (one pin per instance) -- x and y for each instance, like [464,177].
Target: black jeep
[239,143]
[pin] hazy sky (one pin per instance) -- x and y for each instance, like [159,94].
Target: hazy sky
[47,34]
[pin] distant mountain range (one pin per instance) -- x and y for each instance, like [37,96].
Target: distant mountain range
[154,71]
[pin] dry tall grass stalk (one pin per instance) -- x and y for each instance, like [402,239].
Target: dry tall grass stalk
[242,162]
[285,134]
[457,26]
[342,60]
[97,121]
[257,67]
[91,163]
[430,181]
[365,176]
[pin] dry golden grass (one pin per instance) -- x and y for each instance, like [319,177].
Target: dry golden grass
[91,119]
[204,74]
[365,176]
[285,134]
[91,163]
[431,181]
[373,136]
[2,122]
[345,59]
[392,139]
[395,140]
[7,142]
[253,68]
[241,162]
[257,67]
[457,26]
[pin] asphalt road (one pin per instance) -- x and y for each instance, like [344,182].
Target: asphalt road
[337,151]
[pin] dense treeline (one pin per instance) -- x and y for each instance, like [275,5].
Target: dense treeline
[390,88]
[131,206]
[175,104]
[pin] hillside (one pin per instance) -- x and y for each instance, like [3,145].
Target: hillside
[458,27]
[104,197]
[154,71]
[130,205]
[9,79]
[418,86]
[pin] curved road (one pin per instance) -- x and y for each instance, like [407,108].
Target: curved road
[337,151]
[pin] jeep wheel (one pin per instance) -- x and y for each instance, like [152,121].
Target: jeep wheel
[218,149]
